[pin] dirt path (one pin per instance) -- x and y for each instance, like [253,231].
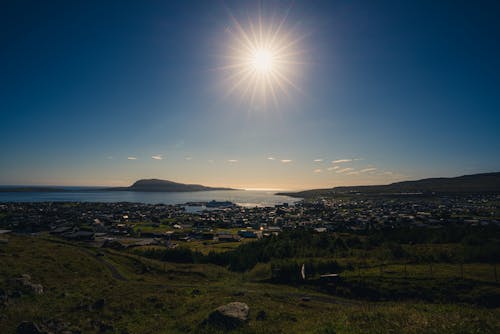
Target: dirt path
[294,295]
[111,267]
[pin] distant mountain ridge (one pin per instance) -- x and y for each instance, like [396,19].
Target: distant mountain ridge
[476,183]
[157,185]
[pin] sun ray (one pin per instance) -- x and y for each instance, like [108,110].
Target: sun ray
[263,59]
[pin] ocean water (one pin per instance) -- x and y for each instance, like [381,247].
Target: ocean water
[248,198]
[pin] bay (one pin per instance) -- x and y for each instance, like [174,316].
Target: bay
[247,198]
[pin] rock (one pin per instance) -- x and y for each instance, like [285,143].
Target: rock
[25,282]
[28,327]
[229,316]
[26,277]
[36,288]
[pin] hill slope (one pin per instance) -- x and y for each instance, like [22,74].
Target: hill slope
[155,185]
[476,183]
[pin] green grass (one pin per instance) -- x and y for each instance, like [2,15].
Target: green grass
[159,297]
[208,246]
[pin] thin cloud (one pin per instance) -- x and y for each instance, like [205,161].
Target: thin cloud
[157,157]
[339,161]
[211,161]
[286,161]
[371,169]
[333,168]
[344,170]
[317,170]
[232,161]
[352,173]
[188,158]
[131,158]
[271,158]
[318,160]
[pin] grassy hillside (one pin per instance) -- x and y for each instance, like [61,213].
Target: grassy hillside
[477,183]
[123,293]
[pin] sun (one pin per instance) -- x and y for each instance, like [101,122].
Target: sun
[262,60]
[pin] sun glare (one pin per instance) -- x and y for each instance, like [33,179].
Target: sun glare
[262,61]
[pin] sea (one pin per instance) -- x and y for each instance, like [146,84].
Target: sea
[246,198]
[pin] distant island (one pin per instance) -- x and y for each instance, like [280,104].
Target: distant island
[145,185]
[156,185]
[476,183]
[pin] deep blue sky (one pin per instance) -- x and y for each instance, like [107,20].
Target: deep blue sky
[90,91]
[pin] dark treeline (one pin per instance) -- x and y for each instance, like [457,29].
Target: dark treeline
[292,244]
[453,233]
[470,244]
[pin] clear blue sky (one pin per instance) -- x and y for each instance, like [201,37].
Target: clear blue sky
[107,92]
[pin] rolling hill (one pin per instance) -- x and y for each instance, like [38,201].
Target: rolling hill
[156,185]
[476,183]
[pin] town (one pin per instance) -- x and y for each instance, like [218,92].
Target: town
[147,224]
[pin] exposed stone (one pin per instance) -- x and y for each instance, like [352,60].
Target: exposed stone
[26,277]
[229,316]
[24,281]
[36,288]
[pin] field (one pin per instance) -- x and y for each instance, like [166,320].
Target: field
[106,291]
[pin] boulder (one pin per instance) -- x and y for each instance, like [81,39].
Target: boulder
[24,282]
[229,316]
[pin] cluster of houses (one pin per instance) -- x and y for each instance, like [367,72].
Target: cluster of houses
[229,223]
